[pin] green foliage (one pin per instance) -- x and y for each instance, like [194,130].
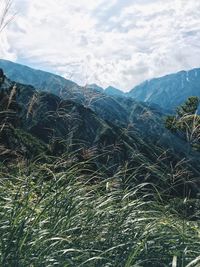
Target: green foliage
[34,146]
[189,107]
[170,123]
[116,200]
[71,221]
[186,123]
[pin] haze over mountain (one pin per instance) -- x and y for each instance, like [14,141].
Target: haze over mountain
[114,108]
[118,107]
[168,91]
[37,78]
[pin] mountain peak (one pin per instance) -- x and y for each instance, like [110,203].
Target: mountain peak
[95,87]
[170,90]
[110,90]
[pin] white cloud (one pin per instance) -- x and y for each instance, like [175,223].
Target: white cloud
[107,42]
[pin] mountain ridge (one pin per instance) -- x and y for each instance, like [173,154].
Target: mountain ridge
[167,91]
[146,118]
[45,123]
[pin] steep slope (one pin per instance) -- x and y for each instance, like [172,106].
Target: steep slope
[169,91]
[37,78]
[92,96]
[50,82]
[15,142]
[61,124]
[145,119]
[35,122]
[112,91]
[95,87]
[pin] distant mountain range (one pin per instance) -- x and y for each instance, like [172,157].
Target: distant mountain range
[57,115]
[40,123]
[110,104]
[168,91]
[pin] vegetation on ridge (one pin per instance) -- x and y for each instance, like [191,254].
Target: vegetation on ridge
[103,187]
[186,123]
[114,199]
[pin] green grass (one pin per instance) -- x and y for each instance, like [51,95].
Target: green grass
[66,218]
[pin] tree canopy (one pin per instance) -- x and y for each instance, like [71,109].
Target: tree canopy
[186,122]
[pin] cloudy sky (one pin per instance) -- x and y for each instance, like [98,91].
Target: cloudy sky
[108,42]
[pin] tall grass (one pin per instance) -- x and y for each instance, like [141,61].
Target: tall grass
[6,15]
[65,218]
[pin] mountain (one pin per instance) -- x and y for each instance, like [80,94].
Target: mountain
[89,179]
[49,118]
[169,91]
[34,122]
[91,96]
[146,119]
[95,87]
[166,92]
[67,176]
[109,107]
[37,78]
[45,81]
[112,91]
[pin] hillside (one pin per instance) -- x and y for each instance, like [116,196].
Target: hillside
[63,125]
[103,184]
[112,91]
[169,91]
[100,159]
[145,119]
[166,92]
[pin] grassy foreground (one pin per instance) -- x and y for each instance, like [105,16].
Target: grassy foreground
[73,217]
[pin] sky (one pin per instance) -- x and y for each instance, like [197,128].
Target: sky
[107,42]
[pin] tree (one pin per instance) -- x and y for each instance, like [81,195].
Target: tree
[2,76]
[190,107]
[186,122]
